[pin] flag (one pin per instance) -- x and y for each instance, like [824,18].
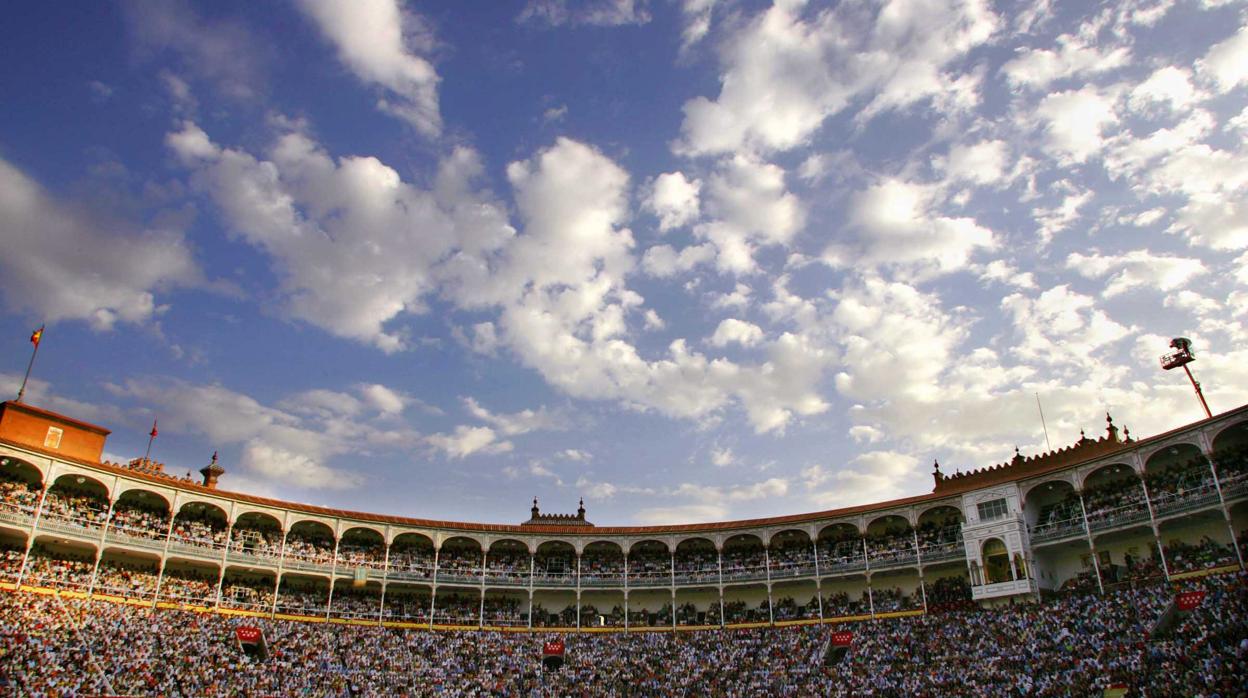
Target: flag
[154,432]
[36,336]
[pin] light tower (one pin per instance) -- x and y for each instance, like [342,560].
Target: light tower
[1182,356]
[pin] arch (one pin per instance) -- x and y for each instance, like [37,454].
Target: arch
[311,528]
[201,509]
[996,559]
[413,539]
[603,547]
[1050,503]
[686,544]
[941,515]
[1231,438]
[697,559]
[888,524]
[143,498]
[1177,455]
[364,535]
[1108,474]
[77,483]
[258,521]
[18,470]
[787,536]
[744,540]
[649,545]
[1043,486]
[840,530]
[508,545]
[345,526]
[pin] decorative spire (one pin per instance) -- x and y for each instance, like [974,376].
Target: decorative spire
[535,510]
[1126,433]
[936,474]
[1018,456]
[212,472]
[1111,430]
[580,510]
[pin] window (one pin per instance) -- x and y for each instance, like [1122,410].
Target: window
[994,509]
[53,439]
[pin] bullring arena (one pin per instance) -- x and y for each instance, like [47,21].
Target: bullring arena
[1043,575]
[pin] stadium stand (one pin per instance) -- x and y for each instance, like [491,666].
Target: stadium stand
[1038,576]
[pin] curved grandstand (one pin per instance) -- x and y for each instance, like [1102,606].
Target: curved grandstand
[1115,518]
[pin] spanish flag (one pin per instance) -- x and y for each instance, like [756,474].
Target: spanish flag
[154,432]
[36,336]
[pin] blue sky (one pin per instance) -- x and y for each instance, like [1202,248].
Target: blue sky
[691,260]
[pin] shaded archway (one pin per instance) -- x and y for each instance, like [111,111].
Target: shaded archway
[1177,476]
[190,583]
[1230,452]
[200,525]
[362,547]
[76,500]
[940,533]
[411,558]
[840,549]
[20,485]
[247,589]
[555,564]
[696,560]
[649,564]
[996,562]
[792,554]
[59,564]
[257,533]
[1052,510]
[744,558]
[890,541]
[127,574]
[508,562]
[1113,495]
[602,564]
[140,514]
[460,559]
[303,595]
[310,543]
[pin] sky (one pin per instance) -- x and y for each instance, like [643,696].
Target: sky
[691,260]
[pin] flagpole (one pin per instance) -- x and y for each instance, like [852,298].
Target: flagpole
[1048,445]
[150,439]
[31,364]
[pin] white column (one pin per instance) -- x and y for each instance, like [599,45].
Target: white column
[1087,529]
[108,518]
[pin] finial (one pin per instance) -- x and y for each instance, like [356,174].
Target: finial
[214,457]
[1126,433]
[935,466]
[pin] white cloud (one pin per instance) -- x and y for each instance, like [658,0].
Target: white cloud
[467,440]
[1003,272]
[697,17]
[871,477]
[1226,63]
[722,457]
[981,163]
[354,246]
[899,225]
[222,52]
[1061,326]
[664,261]
[65,262]
[600,13]
[575,454]
[1037,68]
[787,69]
[1136,268]
[674,199]
[732,330]
[682,514]
[1168,86]
[287,445]
[383,399]
[378,40]
[516,423]
[1075,121]
[750,196]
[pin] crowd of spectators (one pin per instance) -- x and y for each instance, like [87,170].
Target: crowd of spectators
[199,528]
[1073,645]
[17,495]
[80,509]
[138,521]
[1186,557]
[312,548]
